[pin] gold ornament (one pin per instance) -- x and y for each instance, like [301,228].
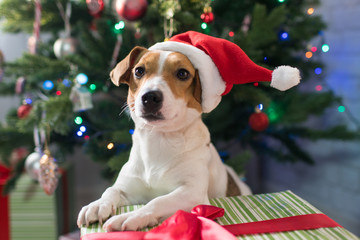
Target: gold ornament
[48,176]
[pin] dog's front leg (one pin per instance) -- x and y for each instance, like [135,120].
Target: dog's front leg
[158,209]
[103,208]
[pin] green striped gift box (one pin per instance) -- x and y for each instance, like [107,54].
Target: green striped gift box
[243,209]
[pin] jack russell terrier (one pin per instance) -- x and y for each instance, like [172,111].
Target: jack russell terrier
[173,164]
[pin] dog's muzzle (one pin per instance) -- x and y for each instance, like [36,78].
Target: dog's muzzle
[152,102]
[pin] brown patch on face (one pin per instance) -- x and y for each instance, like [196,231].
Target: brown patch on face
[188,89]
[150,63]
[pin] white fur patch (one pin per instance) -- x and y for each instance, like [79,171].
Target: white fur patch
[285,77]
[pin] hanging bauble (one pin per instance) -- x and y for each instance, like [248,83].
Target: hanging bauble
[258,121]
[32,165]
[24,110]
[65,46]
[95,7]
[20,85]
[80,96]
[131,10]
[207,16]
[48,175]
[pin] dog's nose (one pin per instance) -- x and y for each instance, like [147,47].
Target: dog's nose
[152,101]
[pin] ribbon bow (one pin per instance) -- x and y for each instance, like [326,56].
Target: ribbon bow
[199,225]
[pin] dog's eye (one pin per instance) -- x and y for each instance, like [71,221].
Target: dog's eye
[139,72]
[183,74]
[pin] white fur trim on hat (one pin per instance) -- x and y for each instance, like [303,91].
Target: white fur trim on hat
[285,77]
[212,84]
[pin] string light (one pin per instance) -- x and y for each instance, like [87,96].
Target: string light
[82,78]
[314,49]
[256,84]
[48,85]
[28,101]
[231,34]
[131,131]
[318,88]
[120,25]
[341,109]
[83,129]
[284,36]
[79,133]
[110,146]
[58,93]
[86,137]
[281,1]
[66,82]
[308,54]
[204,26]
[325,48]
[310,11]
[92,87]
[318,71]
[260,107]
[78,120]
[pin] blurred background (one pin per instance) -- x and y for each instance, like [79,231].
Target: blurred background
[58,105]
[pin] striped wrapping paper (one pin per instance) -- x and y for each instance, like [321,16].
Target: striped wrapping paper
[259,207]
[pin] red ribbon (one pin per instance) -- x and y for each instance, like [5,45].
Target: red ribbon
[199,225]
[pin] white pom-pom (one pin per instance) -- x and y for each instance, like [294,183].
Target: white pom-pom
[285,77]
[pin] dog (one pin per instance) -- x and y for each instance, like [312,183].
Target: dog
[172,165]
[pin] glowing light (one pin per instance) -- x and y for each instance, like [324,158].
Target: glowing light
[78,120]
[83,129]
[281,1]
[314,49]
[79,133]
[284,36]
[28,101]
[92,87]
[310,11]
[110,146]
[66,82]
[318,71]
[231,34]
[325,48]
[131,131]
[308,54]
[48,85]
[86,137]
[256,84]
[204,26]
[318,88]
[120,25]
[82,78]
[58,93]
[341,109]
[265,59]
[260,106]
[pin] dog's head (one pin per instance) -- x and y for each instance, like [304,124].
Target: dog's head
[164,88]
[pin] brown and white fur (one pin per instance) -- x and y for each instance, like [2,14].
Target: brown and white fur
[172,165]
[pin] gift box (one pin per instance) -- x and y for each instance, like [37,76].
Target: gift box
[282,215]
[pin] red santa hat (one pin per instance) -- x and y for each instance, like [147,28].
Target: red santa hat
[221,64]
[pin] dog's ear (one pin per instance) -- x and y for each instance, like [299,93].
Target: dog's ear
[197,87]
[121,73]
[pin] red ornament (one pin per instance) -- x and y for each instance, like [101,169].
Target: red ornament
[131,10]
[95,7]
[207,17]
[24,110]
[258,121]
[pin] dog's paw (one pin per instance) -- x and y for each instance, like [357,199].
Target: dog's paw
[99,210]
[131,221]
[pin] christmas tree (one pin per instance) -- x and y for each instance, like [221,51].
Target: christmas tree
[68,99]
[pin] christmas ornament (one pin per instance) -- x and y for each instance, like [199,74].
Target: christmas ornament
[34,39]
[20,85]
[207,16]
[24,110]
[65,46]
[131,10]
[32,165]
[258,121]
[95,7]
[222,67]
[80,96]
[48,175]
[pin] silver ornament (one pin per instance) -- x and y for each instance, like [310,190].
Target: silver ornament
[32,165]
[65,46]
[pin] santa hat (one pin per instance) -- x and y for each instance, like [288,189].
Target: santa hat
[221,64]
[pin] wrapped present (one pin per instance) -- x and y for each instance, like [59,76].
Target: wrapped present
[281,215]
